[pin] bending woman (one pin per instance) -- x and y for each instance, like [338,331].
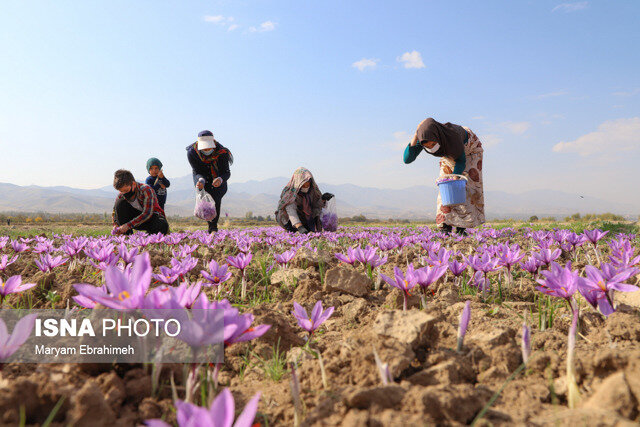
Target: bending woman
[210,162]
[301,203]
[460,153]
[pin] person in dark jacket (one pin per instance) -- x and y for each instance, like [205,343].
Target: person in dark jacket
[157,180]
[210,163]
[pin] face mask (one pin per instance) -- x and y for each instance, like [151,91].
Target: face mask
[207,152]
[304,190]
[433,149]
[129,195]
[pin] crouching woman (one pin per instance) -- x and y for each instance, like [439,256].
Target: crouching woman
[136,207]
[301,204]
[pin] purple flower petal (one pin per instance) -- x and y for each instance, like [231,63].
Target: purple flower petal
[222,410]
[245,419]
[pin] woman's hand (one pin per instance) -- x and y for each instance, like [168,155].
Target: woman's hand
[122,229]
[217,182]
[414,140]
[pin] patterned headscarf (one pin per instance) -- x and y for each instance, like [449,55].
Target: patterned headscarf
[311,201]
[212,159]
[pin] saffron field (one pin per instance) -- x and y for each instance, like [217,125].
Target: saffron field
[380,326]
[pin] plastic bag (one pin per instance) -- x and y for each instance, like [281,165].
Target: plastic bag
[205,206]
[329,215]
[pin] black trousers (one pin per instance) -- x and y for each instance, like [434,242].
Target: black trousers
[125,213]
[217,198]
[308,224]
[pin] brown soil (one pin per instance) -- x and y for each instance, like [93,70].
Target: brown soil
[432,383]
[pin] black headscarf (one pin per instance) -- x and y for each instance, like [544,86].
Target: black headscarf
[451,137]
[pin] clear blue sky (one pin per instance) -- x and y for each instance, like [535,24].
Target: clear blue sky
[551,87]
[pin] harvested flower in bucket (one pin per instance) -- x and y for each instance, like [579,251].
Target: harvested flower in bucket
[448,178]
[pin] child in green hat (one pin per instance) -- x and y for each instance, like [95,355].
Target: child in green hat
[157,181]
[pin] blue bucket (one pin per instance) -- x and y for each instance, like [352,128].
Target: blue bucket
[453,192]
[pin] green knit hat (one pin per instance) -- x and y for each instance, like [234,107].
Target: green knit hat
[153,162]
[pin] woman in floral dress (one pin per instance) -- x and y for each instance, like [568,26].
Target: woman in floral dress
[460,152]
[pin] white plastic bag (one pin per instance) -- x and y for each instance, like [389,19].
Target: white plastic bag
[205,206]
[329,215]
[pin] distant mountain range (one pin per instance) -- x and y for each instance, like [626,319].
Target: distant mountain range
[261,198]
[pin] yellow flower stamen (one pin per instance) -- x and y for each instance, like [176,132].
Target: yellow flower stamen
[124,295]
[602,286]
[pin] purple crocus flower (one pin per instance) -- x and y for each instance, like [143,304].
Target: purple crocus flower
[377,261]
[457,268]
[85,288]
[402,281]
[184,251]
[509,256]
[183,296]
[13,285]
[200,329]
[73,247]
[622,254]
[566,247]
[9,344]
[561,236]
[19,247]
[531,265]
[47,263]
[480,282]
[440,258]
[217,274]
[284,258]
[349,258]
[385,245]
[547,256]
[43,247]
[485,263]
[595,235]
[464,323]
[6,261]
[100,254]
[623,273]
[561,282]
[241,261]
[598,286]
[237,327]
[111,260]
[313,322]
[184,265]
[364,255]
[576,240]
[122,292]
[220,414]
[426,276]
[127,255]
